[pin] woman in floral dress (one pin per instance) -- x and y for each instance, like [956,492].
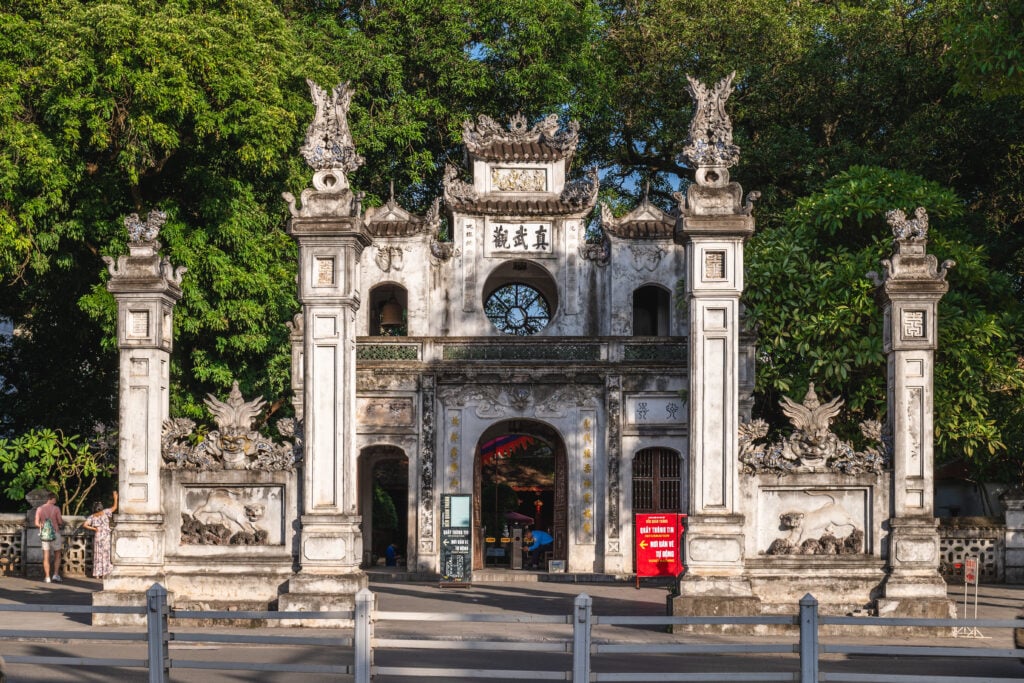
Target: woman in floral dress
[99,522]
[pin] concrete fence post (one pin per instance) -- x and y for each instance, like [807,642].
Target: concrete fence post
[363,636]
[808,639]
[581,625]
[156,634]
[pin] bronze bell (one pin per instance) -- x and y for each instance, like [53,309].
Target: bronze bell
[391,314]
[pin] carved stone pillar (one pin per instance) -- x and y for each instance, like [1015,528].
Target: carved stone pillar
[146,288]
[329,230]
[614,562]
[909,291]
[713,225]
[297,337]
[1013,500]
[427,553]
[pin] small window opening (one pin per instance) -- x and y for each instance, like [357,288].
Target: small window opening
[389,312]
[650,312]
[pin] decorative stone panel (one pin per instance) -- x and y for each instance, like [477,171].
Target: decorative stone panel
[76,560]
[982,539]
[12,545]
[544,351]
[387,352]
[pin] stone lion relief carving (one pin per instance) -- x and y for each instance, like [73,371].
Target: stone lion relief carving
[828,529]
[224,518]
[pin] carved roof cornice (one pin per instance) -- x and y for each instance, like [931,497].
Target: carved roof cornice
[578,197]
[645,222]
[391,220]
[545,141]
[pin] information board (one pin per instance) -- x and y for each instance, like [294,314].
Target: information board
[659,538]
[456,538]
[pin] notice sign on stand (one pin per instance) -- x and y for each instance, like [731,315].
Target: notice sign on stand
[659,544]
[456,538]
[971,570]
[970,579]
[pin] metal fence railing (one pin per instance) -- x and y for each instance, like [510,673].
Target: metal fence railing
[576,652]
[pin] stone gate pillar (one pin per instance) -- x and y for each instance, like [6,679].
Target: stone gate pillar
[909,290]
[330,233]
[146,288]
[713,225]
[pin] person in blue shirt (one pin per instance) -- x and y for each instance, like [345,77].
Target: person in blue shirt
[391,556]
[538,542]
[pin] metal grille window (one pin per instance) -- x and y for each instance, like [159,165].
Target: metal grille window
[518,309]
[657,481]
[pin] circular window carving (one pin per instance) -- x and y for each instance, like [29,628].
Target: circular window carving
[518,309]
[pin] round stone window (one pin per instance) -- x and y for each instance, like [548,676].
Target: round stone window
[517,308]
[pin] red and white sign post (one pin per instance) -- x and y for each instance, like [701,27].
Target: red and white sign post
[659,544]
[970,578]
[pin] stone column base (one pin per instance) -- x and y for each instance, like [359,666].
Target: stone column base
[713,596]
[321,593]
[712,606]
[917,608]
[916,596]
[124,597]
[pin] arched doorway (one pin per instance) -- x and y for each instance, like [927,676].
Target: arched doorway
[384,501]
[519,469]
[658,482]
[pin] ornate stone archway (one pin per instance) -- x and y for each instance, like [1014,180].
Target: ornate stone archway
[544,446]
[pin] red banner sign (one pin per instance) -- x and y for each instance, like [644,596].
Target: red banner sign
[659,539]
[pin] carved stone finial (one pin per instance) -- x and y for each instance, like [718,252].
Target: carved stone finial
[910,260]
[455,188]
[329,148]
[709,146]
[143,261]
[144,231]
[904,228]
[811,401]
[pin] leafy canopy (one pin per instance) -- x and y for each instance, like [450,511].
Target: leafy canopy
[198,107]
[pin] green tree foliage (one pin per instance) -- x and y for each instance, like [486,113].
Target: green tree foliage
[56,462]
[198,107]
[987,47]
[117,107]
[385,516]
[818,321]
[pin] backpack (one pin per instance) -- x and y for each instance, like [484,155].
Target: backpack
[46,532]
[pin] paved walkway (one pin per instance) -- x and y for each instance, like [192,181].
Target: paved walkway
[396,594]
[540,595]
